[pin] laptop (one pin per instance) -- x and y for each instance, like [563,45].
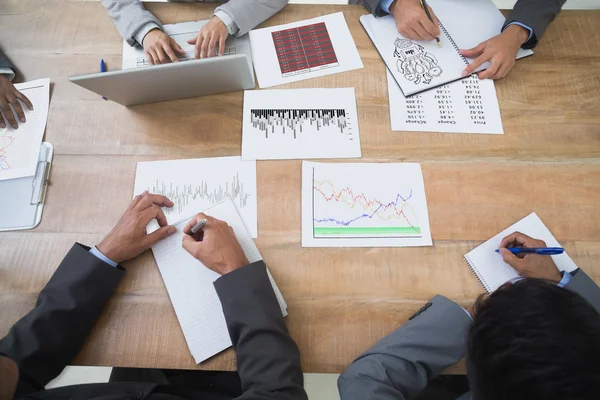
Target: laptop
[139,82]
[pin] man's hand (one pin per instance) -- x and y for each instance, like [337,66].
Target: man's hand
[10,96]
[128,238]
[212,34]
[412,22]
[215,245]
[159,48]
[500,51]
[531,265]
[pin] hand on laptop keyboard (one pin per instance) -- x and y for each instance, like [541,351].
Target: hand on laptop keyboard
[159,48]
[211,36]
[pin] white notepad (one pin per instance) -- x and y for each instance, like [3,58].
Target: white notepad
[190,285]
[490,268]
[419,65]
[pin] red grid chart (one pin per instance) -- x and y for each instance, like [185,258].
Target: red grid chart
[304,49]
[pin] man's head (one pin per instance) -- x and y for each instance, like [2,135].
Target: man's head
[533,340]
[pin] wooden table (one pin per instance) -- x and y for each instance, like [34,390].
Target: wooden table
[341,301]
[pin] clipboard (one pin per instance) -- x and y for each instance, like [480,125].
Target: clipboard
[22,206]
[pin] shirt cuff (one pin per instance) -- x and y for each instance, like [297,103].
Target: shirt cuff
[232,27]
[98,254]
[8,72]
[143,31]
[384,5]
[566,279]
[520,24]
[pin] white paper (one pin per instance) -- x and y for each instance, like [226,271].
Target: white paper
[485,22]
[466,106]
[190,285]
[20,148]
[300,123]
[198,183]
[364,205]
[133,56]
[491,269]
[302,50]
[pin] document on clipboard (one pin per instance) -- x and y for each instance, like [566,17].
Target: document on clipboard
[22,208]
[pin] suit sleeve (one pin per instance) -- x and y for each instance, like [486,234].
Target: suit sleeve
[247,14]
[536,14]
[584,286]
[129,16]
[268,359]
[45,340]
[399,365]
[7,67]
[372,6]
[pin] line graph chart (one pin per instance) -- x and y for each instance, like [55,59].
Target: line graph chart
[363,205]
[300,123]
[196,184]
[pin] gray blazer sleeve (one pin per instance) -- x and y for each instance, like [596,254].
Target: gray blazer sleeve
[399,366]
[45,340]
[584,286]
[372,6]
[247,14]
[129,16]
[268,359]
[536,14]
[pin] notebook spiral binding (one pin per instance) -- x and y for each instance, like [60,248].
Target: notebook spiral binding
[453,43]
[479,277]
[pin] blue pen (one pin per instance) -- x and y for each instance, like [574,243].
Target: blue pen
[544,251]
[103,69]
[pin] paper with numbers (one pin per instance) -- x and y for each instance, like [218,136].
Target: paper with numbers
[466,106]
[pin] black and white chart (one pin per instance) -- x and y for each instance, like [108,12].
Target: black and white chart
[300,123]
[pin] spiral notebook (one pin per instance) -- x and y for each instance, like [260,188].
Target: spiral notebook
[421,65]
[489,267]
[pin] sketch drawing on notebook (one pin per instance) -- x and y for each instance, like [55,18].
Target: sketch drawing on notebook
[416,64]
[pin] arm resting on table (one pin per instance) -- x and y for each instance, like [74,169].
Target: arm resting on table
[45,340]
[268,359]
[400,365]
[536,15]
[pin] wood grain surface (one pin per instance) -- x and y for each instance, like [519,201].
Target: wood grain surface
[341,301]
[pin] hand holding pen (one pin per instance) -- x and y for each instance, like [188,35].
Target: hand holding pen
[525,255]
[415,20]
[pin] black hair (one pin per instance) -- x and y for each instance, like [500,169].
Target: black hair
[534,340]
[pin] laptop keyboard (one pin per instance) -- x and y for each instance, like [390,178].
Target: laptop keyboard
[189,55]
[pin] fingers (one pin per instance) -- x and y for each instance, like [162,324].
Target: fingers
[175,46]
[475,51]
[192,222]
[25,100]
[489,72]
[170,52]
[8,113]
[512,260]
[154,212]
[14,102]
[475,64]
[432,29]
[222,45]
[151,199]
[160,53]
[422,32]
[212,45]
[150,56]
[204,47]
[517,239]
[192,246]
[197,46]
[136,200]
[156,236]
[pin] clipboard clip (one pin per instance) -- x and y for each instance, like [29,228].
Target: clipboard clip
[40,183]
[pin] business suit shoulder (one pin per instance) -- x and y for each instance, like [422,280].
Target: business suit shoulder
[129,16]
[49,336]
[247,14]
[583,285]
[268,359]
[400,365]
[372,6]
[536,14]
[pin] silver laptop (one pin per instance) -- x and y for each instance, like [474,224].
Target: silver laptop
[139,83]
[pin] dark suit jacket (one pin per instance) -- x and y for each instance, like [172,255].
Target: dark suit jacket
[5,63]
[48,338]
[536,14]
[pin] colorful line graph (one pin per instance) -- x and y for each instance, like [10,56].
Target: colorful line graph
[346,212]
[5,142]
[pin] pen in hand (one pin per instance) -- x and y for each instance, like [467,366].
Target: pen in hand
[426,9]
[198,228]
[544,251]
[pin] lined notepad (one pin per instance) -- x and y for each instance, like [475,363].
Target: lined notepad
[190,285]
[490,268]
